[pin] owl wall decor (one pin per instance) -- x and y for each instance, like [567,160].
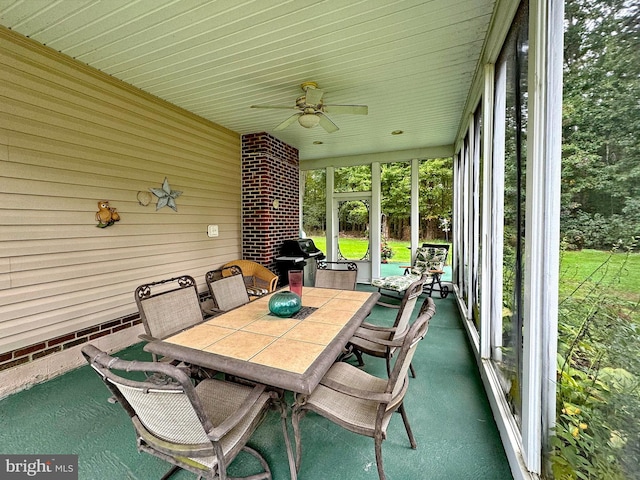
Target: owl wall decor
[106,215]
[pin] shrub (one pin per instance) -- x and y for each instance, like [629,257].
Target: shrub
[597,434]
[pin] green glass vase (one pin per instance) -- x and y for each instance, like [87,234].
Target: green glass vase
[284,304]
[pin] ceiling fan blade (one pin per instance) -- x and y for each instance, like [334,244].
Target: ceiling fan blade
[288,107]
[347,109]
[313,96]
[288,121]
[326,123]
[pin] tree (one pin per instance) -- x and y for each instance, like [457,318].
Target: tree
[314,218]
[601,122]
[435,195]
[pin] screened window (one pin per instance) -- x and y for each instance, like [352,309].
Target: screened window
[512,66]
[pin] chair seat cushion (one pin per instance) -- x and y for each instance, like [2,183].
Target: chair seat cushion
[429,258]
[398,283]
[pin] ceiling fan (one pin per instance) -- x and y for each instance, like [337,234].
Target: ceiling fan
[313,110]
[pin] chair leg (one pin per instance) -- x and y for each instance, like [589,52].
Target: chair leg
[413,371]
[173,470]
[347,352]
[281,404]
[428,289]
[296,416]
[378,447]
[358,355]
[266,474]
[293,464]
[407,427]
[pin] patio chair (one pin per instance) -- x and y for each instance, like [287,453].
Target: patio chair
[363,403]
[168,306]
[200,429]
[429,264]
[227,290]
[340,275]
[259,280]
[381,342]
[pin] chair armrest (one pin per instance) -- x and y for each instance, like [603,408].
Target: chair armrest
[266,283]
[212,311]
[236,417]
[377,328]
[357,392]
[396,342]
[186,449]
[378,341]
[147,338]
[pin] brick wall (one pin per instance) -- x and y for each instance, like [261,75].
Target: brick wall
[53,345]
[270,172]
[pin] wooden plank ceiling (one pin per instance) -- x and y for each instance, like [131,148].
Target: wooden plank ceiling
[412,62]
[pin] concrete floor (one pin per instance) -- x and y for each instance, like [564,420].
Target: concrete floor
[448,410]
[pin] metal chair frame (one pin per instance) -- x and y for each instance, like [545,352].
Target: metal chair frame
[226,288]
[174,420]
[362,403]
[341,275]
[379,341]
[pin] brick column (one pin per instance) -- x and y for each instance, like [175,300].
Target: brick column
[270,173]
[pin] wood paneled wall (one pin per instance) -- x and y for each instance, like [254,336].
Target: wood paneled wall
[71,136]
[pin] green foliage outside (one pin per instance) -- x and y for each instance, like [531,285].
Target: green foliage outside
[601,123]
[598,399]
[597,434]
[435,198]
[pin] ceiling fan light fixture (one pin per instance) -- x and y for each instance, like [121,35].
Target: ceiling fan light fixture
[308,120]
[312,110]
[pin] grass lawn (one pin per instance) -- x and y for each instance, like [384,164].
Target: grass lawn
[619,273]
[355,248]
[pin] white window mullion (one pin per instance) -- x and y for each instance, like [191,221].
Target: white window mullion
[456,224]
[415,207]
[487,217]
[497,210]
[471,214]
[376,219]
[332,217]
[542,226]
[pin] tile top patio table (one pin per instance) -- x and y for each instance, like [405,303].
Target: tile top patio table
[286,353]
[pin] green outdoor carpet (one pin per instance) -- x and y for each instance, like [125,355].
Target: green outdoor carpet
[448,410]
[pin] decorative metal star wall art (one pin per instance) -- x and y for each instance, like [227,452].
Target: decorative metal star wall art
[166,196]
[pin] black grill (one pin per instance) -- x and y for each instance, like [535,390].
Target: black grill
[299,254]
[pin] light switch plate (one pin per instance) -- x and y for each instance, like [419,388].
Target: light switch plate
[212,230]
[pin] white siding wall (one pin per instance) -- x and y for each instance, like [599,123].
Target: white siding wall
[71,136]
